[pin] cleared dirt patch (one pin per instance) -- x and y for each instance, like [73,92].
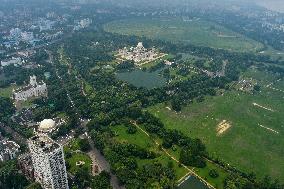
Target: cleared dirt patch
[222,127]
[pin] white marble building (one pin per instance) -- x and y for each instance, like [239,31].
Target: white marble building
[48,162]
[138,53]
[33,89]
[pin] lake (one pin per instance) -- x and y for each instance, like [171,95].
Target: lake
[192,183]
[141,78]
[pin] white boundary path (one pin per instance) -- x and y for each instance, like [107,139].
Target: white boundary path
[269,129]
[260,106]
[190,171]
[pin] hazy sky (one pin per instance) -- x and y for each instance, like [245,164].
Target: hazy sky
[277,5]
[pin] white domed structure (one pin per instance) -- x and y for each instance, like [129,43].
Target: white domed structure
[140,45]
[47,125]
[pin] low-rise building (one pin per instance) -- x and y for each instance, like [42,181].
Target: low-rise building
[8,150]
[13,61]
[33,89]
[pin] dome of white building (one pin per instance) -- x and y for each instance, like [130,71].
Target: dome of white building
[46,125]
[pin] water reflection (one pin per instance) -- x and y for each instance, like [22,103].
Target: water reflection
[192,183]
[141,78]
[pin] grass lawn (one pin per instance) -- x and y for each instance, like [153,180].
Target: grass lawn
[217,182]
[74,145]
[142,140]
[197,32]
[245,145]
[7,92]
[76,157]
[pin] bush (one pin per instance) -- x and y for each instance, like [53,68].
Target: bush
[213,173]
[131,130]
[84,145]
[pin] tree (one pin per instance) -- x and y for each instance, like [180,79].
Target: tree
[34,186]
[82,177]
[84,145]
[256,88]
[6,107]
[101,181]
[192,157]
[176,105]
[213,173]
[10,178]
[131,129]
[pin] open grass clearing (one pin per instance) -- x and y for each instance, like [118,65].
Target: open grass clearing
[198,32]
[245,145]
[141,139]
[7,91]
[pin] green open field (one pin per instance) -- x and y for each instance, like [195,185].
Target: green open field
[142,140]
[7,92]
[197,32]
[76,156]
[254,142]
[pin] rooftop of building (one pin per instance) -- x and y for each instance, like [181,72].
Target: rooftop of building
[27,87]
[8,145]
[47,125]
[45,143]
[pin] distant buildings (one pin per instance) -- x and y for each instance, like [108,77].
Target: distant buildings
[34,89]
[45,25]
[19,35]
[27,36]
[48,162]
[138,54]
[8,150]
[246,85]
[26,53]
[15,33]
[24,117]
[84,23]
[168,63]
[12,61]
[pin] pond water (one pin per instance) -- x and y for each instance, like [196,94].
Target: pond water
[141,78]
[192,183]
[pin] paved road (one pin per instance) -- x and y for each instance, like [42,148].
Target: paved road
[96,156]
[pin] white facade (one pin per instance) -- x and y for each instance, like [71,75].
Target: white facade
[13,61]
[27,36]
[15,33]
[8,150]
[48,161]
[138,53]
[34,89]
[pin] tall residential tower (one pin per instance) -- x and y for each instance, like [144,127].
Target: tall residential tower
[48,161]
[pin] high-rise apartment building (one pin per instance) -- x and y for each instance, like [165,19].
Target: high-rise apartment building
[48,161]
